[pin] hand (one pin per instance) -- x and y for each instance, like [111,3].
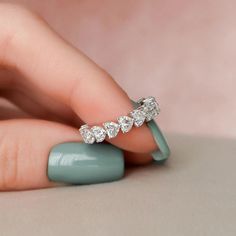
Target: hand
[58,87]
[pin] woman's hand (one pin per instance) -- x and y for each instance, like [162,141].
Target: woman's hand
[58,87]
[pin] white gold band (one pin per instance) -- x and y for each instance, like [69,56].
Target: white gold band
[147,110]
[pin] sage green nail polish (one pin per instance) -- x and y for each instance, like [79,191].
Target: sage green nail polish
[162,154]
[80,163]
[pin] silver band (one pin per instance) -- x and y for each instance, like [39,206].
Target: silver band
[147,109]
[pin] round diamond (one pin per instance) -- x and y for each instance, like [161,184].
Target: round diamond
[99,133]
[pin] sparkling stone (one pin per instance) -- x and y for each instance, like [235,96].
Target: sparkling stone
[138,116]
[99,133]
[151,108]
[87,134]
[125,123]
[151,114]
[150,103]
[111,128]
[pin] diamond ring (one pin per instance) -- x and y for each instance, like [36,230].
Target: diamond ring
[146,110]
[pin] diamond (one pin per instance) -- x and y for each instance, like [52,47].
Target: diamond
[150,107]
[139,117]
[99,133]
[150,103]
[111,128]
[151,114]
[125,123]
[87,134]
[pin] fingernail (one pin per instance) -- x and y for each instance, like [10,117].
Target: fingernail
[163,152]
[80,163]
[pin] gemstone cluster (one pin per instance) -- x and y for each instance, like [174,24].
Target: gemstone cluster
[147,110]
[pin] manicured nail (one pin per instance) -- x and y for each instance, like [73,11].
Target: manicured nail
[162,154]
[80,163]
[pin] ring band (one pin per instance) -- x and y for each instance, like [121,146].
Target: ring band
[147,109]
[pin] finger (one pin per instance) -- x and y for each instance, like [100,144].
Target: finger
[11,113]
[24,150]
[34,102]
[37,109]
[8,111]
[66,74]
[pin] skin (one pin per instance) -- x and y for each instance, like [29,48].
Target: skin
[54,87]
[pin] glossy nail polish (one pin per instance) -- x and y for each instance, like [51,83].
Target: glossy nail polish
[80,163]
[162,154]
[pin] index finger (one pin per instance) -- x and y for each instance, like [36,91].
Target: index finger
[66,74]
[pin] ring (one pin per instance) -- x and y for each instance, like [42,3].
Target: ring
[147,109]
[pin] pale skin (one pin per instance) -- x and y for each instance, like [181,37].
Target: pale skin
[57,88]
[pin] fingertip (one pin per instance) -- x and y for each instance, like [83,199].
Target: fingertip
[25,147]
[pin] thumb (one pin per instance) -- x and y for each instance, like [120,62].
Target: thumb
[32,150]
[24,150]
